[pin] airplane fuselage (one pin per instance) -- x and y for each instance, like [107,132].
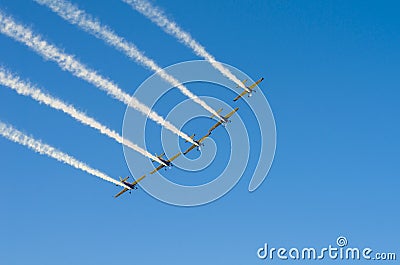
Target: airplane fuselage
[130,185]
[168,163]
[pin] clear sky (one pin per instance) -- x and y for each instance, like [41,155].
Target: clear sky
[331,73]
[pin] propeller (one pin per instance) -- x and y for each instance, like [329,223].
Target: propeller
[199,147]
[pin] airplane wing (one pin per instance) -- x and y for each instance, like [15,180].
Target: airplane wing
[203,138]
[231,113]
[157,169]
[189,149]
[138,180]
[214,127]
[241,95]
[256,83]
[174,157]
[120,193]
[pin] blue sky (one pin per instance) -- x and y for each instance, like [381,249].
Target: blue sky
[331,78]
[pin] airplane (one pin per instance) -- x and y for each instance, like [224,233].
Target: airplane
[132,186]
[167,162]
[222,121]
[199,143]
[249,89]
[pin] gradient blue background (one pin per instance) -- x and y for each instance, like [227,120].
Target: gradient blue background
[331,73]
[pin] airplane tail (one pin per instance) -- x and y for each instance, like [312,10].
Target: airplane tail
[191,137]
[158,156]
[139,179]
[218,111]
[244,82]
[122,180]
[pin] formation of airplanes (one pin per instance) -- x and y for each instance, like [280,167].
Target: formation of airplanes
[198,143]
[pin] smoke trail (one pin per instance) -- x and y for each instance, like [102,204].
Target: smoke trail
[76,16]
[16,136]
[26,89]
[158,17]
[67,62]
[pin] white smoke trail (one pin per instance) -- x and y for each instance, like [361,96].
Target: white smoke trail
[16,136]
[67,62]
[26,89]
[158,17]
[77,16]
